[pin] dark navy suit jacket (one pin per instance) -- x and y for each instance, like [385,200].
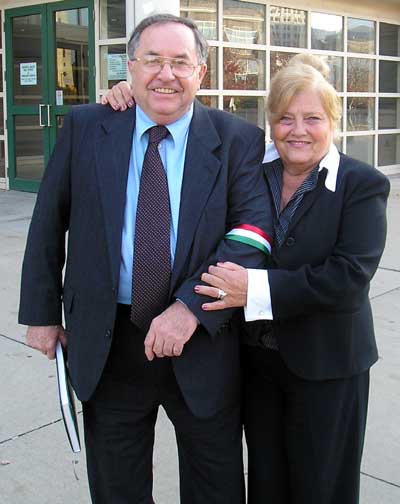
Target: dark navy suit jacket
[321,275]
[83,193]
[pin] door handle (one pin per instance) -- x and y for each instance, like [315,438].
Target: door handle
[41,124]
[48,116]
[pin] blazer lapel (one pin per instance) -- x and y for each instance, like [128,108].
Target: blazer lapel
[200,172]
[113,148]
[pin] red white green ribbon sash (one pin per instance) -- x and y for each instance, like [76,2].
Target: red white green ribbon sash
[251,235]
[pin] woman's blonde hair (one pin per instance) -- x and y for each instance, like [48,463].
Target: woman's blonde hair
[303,73]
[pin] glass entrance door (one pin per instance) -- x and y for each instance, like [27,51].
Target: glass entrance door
[50,67]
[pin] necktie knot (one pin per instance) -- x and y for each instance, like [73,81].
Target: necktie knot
[157,134]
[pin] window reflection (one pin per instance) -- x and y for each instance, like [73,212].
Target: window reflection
[210,80]
[72,56]
[250,108]
[360,75]
[244,22]
[27,59]
[288,27]
[2,160]
[361,147]
[29,159]
[112,19]
[244,69]
[389,39]
[360,113]
[389,113]
[209,101]
[113,65]
[335,64]
[361,36]
[279,60]
[389,77]
[388,150]
[204,14]
[326,32]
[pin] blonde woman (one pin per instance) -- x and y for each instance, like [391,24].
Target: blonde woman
[306,360]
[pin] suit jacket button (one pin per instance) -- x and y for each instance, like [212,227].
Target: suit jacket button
[290,241]
[108,333]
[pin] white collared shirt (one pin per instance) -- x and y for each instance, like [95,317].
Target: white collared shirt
[259,306]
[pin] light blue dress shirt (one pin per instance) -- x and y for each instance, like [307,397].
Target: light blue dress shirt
[172,151]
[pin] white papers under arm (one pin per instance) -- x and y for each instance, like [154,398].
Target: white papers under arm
[67,402]
[258,306]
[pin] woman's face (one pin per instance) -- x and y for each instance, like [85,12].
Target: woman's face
[303,133]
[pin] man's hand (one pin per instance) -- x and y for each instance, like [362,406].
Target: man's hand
[119,96]
[170,331]
[44,339]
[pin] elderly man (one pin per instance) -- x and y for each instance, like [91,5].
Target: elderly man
[149,199]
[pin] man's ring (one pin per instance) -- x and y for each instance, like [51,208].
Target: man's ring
[221,294]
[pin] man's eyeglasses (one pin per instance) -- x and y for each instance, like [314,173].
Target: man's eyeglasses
[179,67]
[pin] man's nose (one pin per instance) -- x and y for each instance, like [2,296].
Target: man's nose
[166,72]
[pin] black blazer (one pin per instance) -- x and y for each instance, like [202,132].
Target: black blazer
[321,275]
[83,192]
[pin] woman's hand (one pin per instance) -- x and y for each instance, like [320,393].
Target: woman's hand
[224,278]
[119,96]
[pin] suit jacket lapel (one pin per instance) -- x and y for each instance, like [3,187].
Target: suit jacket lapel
[200,172]
[113,148]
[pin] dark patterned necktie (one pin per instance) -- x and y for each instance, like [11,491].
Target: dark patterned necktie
[152,256]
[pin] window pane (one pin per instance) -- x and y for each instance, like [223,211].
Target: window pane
[361,36]
[250,108]
[326,32]
[388,150]
[204,14]
[360,75]
[112,19]
[1,117]
[389,39]
[29,159]
[244,69]
[112,65]
[389,77]
[288,27]
[210,80]
[336,71]
[209,101]
[2,160]
[244,22]
[72,58]
[279,60]
[362,148]
[27,59]
[360,113]
[389,113]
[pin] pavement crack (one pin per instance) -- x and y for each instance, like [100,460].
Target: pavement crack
[394,270]
[380,479]
[384,293]
[36,429]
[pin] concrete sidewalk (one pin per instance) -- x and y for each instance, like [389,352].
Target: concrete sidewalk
[36,464]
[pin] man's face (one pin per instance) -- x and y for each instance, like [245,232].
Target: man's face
[162,96]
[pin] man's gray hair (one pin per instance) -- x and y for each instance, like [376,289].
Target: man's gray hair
[200,41]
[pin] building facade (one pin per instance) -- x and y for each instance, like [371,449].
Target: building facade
[57,54]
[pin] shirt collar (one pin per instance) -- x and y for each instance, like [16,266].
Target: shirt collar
[330,162]
[177,129]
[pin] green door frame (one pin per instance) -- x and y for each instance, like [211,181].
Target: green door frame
[48,45]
